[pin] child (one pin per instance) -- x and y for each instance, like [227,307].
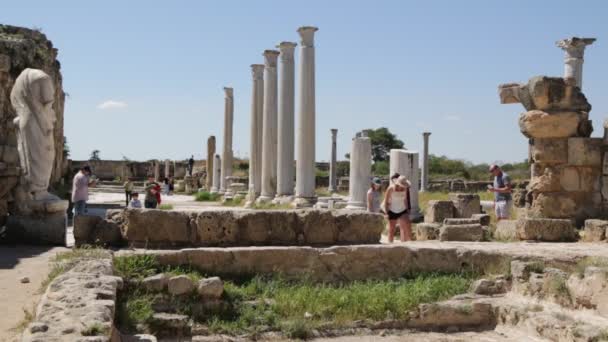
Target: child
[135,202]
[373,196]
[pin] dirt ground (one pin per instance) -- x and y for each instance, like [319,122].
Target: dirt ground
[17,262]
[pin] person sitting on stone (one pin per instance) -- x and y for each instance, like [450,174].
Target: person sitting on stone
[80,190]
[502,193]
[374,196]
[397,205]
[152,188]
[135,202]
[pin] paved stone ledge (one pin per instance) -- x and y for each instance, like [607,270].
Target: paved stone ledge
[347,263]
[78,302]
[166,229]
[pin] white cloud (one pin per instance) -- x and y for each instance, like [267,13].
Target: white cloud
[111,104]
[452,118]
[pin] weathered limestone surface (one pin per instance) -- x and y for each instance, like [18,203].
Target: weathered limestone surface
[427,231]
[461,232]
[539,124]
[548,94]
[589,290]
[595,230]
[541,229]
[506,230]
[94,230]
[159,228]
[466,204]
[437,211]
[83,297]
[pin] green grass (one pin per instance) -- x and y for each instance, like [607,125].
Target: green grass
[581,265]
[136,266]
[205,196]
[235,202]
[165,207]
[270,206]
[95,329]
[64,261]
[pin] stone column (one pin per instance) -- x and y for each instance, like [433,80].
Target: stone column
[305,153]
[156,170]
[285,132]
[257,119]
[227,146]
[167,168]
[269,139]
[217,174]
[573,62]
[333,182]
[360,172]
[424,183]
[210,157]
[405,162]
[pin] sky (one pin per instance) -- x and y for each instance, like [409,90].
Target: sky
[145,78]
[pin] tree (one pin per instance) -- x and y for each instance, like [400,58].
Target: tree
[382,143]
[66,148]
[95,155]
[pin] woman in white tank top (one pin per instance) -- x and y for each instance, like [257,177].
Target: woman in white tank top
[397,206]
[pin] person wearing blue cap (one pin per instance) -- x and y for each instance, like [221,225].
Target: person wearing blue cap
[373,196]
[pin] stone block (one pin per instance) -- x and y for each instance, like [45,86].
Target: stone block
[318,227]
[483,219]
[578,178]
[545,179]
[519,197]
[84,225]
[553,205]
[180,285]
[427,231]
[543,229]
[489,287]
[552,94]
[466,204]
[549,151]
[465,232]
[460,221]
[605,164]
[151,227]
[585,152]
[48,229]
[538,124]
[210,288]
[595,230]
[437,211]
[506,230]
[358,227]
[589,290]
[5,63]
[157,282]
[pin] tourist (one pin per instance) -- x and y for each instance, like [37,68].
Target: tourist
[502,193]
[135,202]
[166,186]
[397,206]
[171,185]
[190,165]
[152,194]
[80,190]
[128,191]
[373,196]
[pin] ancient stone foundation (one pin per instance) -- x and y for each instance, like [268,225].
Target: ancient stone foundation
[159,228]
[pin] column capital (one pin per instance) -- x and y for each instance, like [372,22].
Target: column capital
[257,71]
[229,91]
[574,46]
[270,58]
[334,131]
[307,35]
[426,134]
[287,49]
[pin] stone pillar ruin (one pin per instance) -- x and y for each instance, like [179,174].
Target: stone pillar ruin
[226,166]
[286,118]
[333,181]
[305,154]
[157,170]
[573,61]
[424,183]
[269,139]
[257,119]
[566,163]
[167,168]
[405,163]
[360,172]
[209,166]
[217,174]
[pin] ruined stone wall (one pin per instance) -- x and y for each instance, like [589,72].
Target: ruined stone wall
[22,48]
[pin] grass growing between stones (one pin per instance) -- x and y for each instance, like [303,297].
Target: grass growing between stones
[205,196]
[165,207]
[295,308]
[64,261]
[581,265]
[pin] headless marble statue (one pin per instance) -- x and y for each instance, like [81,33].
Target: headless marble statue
[32,98]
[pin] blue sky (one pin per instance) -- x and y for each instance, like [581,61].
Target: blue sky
[159,67]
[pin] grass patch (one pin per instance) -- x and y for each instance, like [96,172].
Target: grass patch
[235,202]
[270,206]
[165,207]
[557,286]
[581,265]
[135,266]
[205,196]
[95,329]
[64,261]
[536,267]
[28,317]
[134,307]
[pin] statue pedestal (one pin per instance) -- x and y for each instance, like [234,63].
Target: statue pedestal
[44,221]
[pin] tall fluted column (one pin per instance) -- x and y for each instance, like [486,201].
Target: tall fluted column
[360,172]
[269,139]
[227,145]
[285,132]
[217,174]
[167,168]
[425,162]
[333,181]
[257,119]
[210,157]
[305,154]
[573,62]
